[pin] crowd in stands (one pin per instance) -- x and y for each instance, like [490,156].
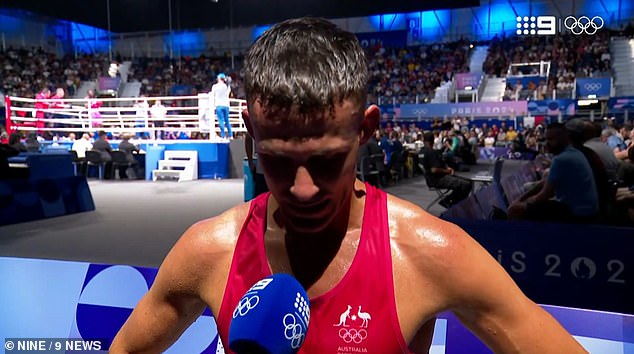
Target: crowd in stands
[402,75]
[408,74]
[25,72]
[601,152]
[159,75]
[570,57]
[412,74]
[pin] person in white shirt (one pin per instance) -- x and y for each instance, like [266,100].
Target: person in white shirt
[142,108]
[158,112]
[220,92]
[82,145]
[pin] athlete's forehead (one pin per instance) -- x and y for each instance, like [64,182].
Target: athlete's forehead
[294,124]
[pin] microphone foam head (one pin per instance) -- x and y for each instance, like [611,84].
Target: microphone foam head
[272,317]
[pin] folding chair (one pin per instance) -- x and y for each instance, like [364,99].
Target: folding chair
[93,159]
[119,159]
[441,193]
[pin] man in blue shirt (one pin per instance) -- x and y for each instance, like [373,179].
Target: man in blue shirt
[569,191]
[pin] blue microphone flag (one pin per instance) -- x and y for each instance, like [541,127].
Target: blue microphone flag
[272,317]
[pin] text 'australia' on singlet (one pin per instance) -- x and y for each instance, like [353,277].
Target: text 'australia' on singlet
[358,315]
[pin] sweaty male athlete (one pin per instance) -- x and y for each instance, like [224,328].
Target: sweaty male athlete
[377,268]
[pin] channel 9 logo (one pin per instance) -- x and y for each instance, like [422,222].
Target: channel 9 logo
[547,25]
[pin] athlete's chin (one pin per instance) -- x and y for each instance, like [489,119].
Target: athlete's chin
[305,224]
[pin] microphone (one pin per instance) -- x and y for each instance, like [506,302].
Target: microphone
[271,318]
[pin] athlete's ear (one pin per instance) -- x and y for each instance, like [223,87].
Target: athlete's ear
[369,124]
[247,122]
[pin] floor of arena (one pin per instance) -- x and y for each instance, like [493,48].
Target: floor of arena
[137,222]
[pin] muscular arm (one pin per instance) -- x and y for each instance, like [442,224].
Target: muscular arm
[439,267]
[489,303]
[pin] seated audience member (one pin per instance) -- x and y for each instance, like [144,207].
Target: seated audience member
[576,129]
[594,141]
[80,146]
[104,148]
[568,193]
[441,176]
[32,144]
[370,150]
[396,162]
[625,132]
[452,145]
[615,141]
[626,169]
[15,141]
[128,148]
[489,141]
[306,86]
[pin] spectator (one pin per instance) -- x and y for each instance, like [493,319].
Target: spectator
[104,148]
[568,193]
[15,141]
[442,176]
[129,149]
[32,143]
[593,135]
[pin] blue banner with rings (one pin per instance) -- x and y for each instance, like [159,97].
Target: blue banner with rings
[599,87]
[566,107]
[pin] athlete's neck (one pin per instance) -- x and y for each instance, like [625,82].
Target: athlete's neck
[310,254]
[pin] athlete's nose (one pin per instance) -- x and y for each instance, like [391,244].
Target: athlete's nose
[303,187]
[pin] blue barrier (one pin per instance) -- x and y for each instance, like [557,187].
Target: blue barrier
[46,165]
[24,200]
[584,266]
[60,299]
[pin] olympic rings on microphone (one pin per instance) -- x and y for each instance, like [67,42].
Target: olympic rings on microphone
[353,335]
[293,331]
[583,24]
[246,304]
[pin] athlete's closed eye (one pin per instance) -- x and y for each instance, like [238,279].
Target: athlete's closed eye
[323,165]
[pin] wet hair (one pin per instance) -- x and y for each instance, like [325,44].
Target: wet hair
[307,64]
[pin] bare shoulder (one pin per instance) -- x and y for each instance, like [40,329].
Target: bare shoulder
[201,258]
[434,251]
[217,234]
[411,224]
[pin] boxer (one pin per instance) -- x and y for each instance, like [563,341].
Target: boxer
[377,268]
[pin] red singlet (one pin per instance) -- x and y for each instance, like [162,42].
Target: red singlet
[358,315]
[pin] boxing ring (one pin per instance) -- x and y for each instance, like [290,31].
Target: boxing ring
[184,123]
[187,114]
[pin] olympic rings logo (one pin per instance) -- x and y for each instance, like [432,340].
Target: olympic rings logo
[353,335]
[596,86]
[420,111]
[583,24]
[293,331]
[246,304]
